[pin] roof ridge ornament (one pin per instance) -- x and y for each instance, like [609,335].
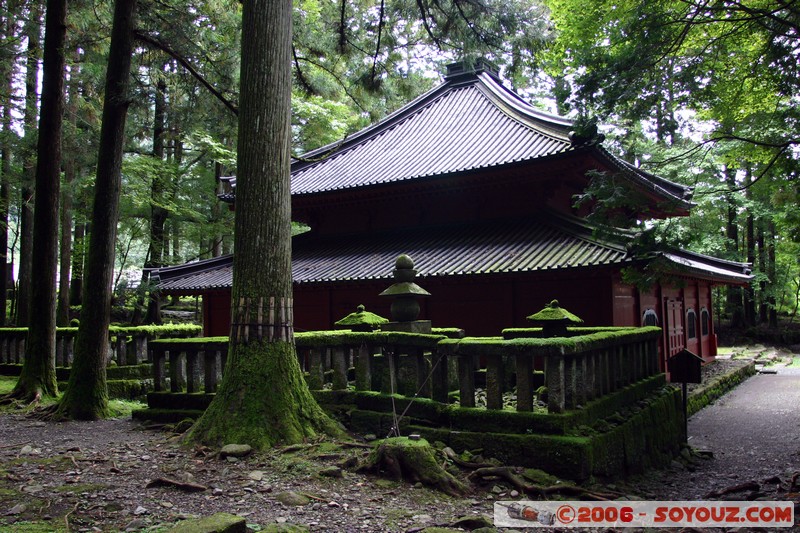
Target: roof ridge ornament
[471,67]
[585,132]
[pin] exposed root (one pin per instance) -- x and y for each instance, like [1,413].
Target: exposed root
[507,473]
[741,487]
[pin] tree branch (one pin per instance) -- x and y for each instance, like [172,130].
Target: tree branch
[160,45]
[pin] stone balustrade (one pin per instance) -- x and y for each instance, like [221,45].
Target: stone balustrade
[126,345]
[575,370]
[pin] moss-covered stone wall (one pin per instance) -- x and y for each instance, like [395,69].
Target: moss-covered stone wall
[624,433]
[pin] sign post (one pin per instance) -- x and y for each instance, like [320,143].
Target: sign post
[684,368]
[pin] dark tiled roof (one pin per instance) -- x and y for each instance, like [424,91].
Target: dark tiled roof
[453,128]
[484,248]
[471,121]
[708,267]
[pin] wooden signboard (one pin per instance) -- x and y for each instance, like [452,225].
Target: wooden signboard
[684,367]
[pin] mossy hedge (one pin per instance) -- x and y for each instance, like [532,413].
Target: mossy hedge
[595,340]
[121,389]
[716,388]
[521,333]
[183,330]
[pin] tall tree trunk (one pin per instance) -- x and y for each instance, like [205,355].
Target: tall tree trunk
[750,244]
[38,375]
[65,260]
[762,267]
[216,210]
[263,360]
[772,273]
[78,256]
[29,165]
[734,297]
[87,393]
[9,30]
[158,214]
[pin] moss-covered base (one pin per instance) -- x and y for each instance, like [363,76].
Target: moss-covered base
[650,436]
[262,401]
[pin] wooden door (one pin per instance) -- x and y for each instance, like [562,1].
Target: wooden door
[673,318]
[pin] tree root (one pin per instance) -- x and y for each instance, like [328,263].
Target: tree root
[741,487]
[508,474]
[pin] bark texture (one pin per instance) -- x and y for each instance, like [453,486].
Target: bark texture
[29,166]
[38,375]
[87,394]
[263,399]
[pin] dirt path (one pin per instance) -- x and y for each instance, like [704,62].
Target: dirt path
[754,435]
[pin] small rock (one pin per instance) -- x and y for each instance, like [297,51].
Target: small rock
[145,458]
[292,498]
[136,525]
[232,459]
[32,489]
[17,509]
[472,522]
[331,471]
[422,518]
[166,505]
[140,511]
[235,450]
[333,504]
[256,475]
[370,437]
[350,462]
[514,493]
[29,450]
[217,492]
[497,489]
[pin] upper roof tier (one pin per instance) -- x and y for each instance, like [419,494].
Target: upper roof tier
[469,122]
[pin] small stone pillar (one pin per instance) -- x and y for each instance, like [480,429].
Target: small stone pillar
[361,320]
[554,319]
[405,306]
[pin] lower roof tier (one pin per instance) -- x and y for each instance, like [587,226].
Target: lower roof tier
[545,243]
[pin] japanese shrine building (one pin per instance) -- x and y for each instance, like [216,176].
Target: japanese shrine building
[477,187]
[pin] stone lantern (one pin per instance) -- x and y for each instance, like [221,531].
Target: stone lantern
[554,320]
[405,293]
[361,320]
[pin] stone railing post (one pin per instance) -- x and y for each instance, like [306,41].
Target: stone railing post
[139,351]
[158,355]
[211,369]
[494,381]
[439,378]
[315,373]
[363,365]
[466,380]
[524,370]
[555,382]
[339,365]
[193,369]
[177,370]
